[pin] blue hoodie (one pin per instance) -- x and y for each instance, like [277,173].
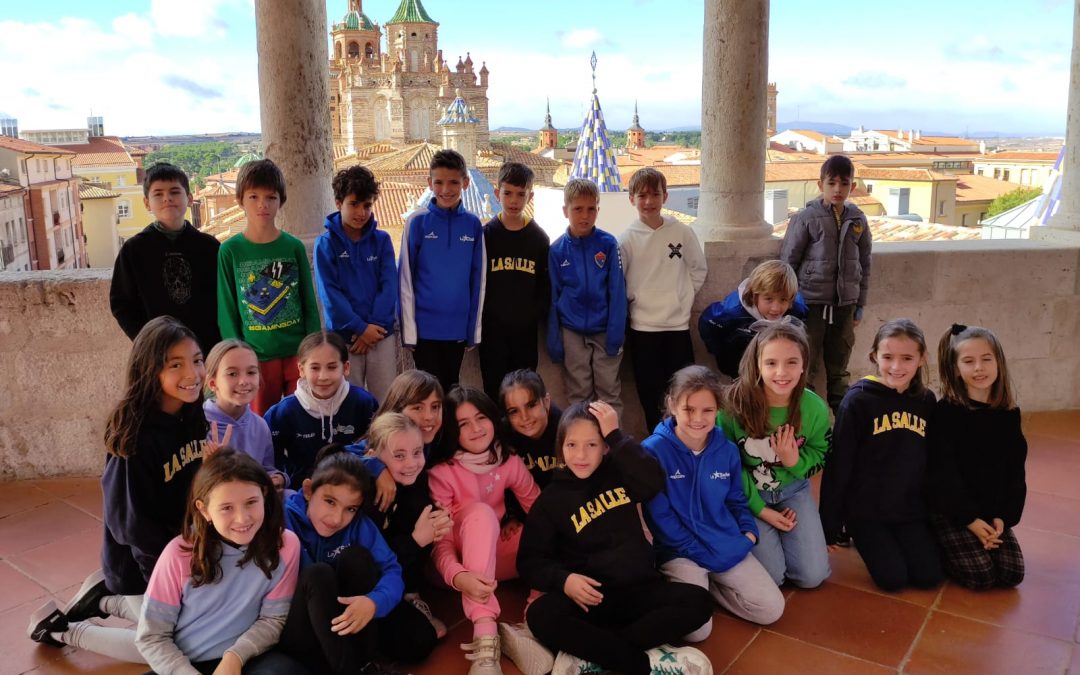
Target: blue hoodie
[356,280]
[360,532]
[702,513]
[442,274]
[588,290]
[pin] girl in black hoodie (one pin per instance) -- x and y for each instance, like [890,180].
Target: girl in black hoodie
[604,601]
[874,481]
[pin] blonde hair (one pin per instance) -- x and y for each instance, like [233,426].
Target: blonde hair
[952,384]
[580,187]
[384,427]
[745,398]
[217,355]
[771,276]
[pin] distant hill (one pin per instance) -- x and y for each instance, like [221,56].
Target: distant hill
[506,130]
[188,139]
[829,128]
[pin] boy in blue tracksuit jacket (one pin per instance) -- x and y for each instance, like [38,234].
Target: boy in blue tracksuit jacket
[441,274]
[587,318]
[701,526]
[356,277]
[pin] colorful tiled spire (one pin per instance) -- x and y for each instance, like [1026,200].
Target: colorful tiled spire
[594,159]
[458,112]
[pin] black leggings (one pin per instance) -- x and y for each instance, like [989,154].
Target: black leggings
[404,634]
[616,633]
[272,662]
[441,358]
[898,554]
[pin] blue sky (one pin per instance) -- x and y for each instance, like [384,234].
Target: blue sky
[162,66]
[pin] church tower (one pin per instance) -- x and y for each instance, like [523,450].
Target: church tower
[635,135]
[770,112]
[549,135]
[356,36]
[412,38]
[459,129]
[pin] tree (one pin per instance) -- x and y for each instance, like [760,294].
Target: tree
[1012,199]
[198,160]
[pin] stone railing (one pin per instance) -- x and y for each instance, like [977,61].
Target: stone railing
[62,356]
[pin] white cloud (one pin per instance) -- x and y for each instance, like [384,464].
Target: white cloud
[198,19]
[135,29]
[581,37]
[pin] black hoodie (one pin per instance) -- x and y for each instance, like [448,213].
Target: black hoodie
[877,468]
[591,526]
[396,525]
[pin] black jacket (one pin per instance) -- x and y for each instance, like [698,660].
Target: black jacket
[977,464]
[153,277]
[591,526]
[877,468]
[396,526]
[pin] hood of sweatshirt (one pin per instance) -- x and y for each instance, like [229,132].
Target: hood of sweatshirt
[214,413]
[750,309]
[322,409]
[337,231]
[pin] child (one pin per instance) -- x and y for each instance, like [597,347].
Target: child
[782,431]
[518,289]
[701,526]
[232,375]
[605,606]
[874,481]
[533,421]
[155,439]
[220,592]
[411,523]
[828,243]
[168,268]
[977,487]
[265,294]
[442,274]
[470,478]
[324,409]
[357,281]
[347,606]
[587,319]
[768,294]
[665,267]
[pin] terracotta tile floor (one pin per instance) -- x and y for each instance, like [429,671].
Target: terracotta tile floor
[50,532]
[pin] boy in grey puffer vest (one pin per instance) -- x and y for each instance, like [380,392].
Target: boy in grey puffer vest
[828,244]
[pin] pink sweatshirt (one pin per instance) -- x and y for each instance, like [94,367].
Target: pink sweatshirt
[455,487]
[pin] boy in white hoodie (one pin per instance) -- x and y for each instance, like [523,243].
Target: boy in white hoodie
[665,267]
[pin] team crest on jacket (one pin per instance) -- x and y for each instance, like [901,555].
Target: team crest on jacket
[600,259]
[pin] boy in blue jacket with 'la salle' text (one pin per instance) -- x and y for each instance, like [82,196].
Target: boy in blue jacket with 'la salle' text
[587,319]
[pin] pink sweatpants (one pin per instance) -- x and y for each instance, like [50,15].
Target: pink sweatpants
[483,552]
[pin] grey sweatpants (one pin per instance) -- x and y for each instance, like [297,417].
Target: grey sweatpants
[375,370]
[746,590]
[588,372]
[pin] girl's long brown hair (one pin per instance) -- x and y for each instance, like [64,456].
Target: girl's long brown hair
[952,385]
[142,389]
[204,542]
[904,328]
[745,398]
[457,397]
[409,388]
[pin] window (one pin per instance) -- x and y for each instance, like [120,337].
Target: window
[997,174]
[941,208]
[692,202]
[121,181]
[123,209]
[979,171]
[1005,175]
[963,219]
[869,188]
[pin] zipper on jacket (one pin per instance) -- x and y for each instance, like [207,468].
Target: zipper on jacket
[585,266]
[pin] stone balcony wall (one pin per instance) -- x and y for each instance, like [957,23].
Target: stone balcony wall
[62,355]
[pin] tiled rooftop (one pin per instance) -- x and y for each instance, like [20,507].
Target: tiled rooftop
[50,535]
[100,151]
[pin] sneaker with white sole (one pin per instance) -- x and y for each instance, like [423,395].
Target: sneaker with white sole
[668,660]
[87,601]
[484,653]
[531,657]
[416,601]
[47,619]
[568,664]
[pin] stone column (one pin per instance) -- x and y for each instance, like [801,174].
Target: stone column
[734,86]
[1068,213]
[293,98]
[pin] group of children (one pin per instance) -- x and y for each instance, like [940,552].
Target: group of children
[289,522]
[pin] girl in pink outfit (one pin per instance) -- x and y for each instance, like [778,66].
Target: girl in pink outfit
[471,481]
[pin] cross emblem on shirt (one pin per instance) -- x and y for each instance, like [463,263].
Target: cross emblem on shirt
[676,250]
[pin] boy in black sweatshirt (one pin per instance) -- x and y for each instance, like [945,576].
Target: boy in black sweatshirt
[169,268]
[518,290]
[583,546]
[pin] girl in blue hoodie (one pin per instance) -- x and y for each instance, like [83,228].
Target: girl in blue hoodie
[324,409]
[347,608]
[356,277]
[702,527]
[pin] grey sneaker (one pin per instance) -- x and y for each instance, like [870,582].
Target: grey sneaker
[484,653]
[668,660]
[421,606]
[531,657]
[568,664]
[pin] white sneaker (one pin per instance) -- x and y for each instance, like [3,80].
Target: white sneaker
[421,606]
[668,660]
[518,642]
[568,664]
[484,654]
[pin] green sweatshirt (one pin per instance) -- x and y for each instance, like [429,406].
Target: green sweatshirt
[265,295]
[761,468]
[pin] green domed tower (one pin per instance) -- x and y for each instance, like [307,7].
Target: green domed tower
[356,36]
